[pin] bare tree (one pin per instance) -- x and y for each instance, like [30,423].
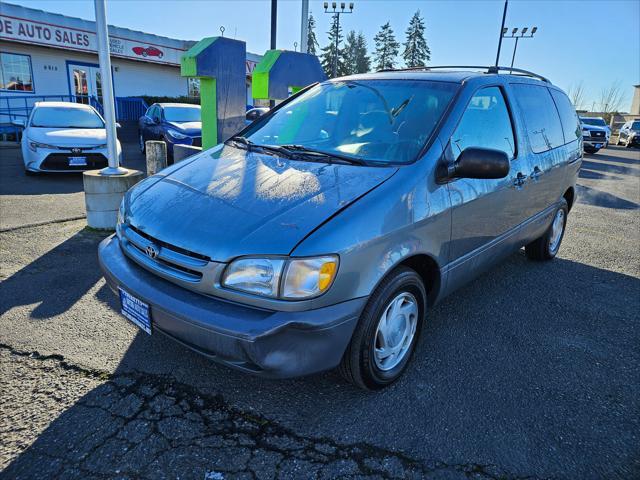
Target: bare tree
[611,98]
[576,94]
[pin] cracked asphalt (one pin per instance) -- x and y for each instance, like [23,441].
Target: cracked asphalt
[531,371]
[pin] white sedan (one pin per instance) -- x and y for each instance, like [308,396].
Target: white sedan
[64,137]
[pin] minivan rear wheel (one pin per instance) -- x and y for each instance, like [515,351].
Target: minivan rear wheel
[546,247]
[387,332]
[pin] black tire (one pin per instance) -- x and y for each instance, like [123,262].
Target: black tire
[590,151]
[541,248]
[29,173]
[358,365]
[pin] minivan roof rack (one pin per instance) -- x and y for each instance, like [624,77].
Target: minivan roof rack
[491,69]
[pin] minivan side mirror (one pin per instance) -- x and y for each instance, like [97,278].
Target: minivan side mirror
[475,162]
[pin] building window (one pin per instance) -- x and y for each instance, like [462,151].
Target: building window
[15,72]
[194,87]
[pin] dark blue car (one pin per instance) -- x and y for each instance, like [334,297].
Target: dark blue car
[173,123]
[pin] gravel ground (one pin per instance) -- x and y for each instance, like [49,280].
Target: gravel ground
[531,371]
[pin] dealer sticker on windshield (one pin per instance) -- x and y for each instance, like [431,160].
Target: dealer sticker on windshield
[136,310]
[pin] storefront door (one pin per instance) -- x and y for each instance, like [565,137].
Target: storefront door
[85,82]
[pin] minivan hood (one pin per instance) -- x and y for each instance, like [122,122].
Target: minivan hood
[68,137]
[228,202]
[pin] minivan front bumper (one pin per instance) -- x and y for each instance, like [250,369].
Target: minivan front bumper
[264,342]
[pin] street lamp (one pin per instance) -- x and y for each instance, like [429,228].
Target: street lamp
[514,34]
[336,13]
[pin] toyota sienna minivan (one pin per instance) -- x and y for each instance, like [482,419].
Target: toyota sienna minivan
[322,234]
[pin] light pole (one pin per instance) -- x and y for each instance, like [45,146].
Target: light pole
[304,27]
[102,35]
[514,34]
[337,13]
[504,16]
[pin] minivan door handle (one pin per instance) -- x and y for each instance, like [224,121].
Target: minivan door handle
[520,179]
[536,173]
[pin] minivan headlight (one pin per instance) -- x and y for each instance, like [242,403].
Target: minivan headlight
[309,277]
[284,278]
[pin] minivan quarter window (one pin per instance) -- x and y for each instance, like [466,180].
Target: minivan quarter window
[486,123]
[568,116]
[540,117]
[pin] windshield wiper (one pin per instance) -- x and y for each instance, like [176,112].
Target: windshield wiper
[253,147]
[310,152]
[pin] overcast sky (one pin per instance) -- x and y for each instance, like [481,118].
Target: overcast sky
[593,41]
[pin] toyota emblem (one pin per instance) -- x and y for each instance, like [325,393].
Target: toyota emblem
[76,150]
[152,252]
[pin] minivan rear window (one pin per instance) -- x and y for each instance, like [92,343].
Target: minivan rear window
[379,121]
[568,117]
[541,119]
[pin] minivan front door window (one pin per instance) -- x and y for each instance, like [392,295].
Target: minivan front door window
[382,121]
[486,123]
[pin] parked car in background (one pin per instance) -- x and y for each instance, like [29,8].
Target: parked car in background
[254,113]
[64,137]
[594,137]
[629,135]
[597,122]
[173,123]
[323,234]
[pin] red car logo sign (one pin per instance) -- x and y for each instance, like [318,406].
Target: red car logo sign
[148,52]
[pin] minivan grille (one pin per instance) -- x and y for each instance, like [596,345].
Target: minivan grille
[162,258]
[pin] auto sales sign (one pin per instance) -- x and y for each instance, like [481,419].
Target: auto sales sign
[25,25]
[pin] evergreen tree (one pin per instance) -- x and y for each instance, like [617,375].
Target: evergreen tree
[387,48]
[312,41]
[363,62]
[351,52]
[329,53]
[416,52]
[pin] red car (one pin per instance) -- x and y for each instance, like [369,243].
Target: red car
[148,52]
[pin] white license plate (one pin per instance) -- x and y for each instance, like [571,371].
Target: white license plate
[77,161]
[135,310]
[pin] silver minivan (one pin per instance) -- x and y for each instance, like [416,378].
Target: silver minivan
[322,234]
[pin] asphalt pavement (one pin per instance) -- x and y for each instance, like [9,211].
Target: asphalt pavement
[530,371]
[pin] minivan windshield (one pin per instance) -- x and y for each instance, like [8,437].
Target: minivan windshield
[593,121]
[182,114]
[66,117]
[386,121]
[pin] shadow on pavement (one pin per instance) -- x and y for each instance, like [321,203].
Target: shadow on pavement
[605,156]
[55,281]
[533,368]
[591,196]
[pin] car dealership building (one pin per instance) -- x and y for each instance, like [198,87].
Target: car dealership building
[44,54]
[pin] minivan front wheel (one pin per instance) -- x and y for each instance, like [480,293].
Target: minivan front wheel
[387,331]
[546,247]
